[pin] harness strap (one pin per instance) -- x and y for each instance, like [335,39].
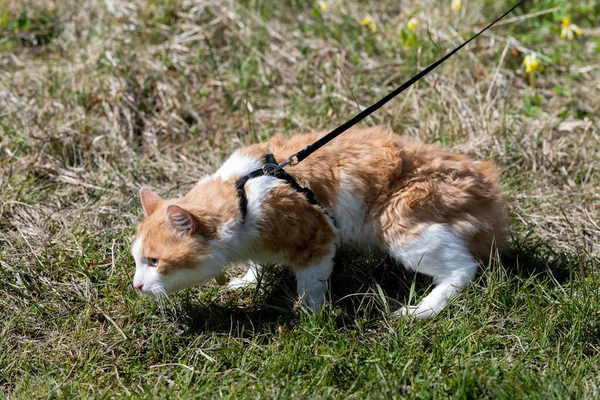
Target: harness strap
[279,174]
[239,188]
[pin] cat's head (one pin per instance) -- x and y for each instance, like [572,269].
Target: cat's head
[173,247]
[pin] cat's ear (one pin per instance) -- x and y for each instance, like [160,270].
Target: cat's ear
[150,201]
[184,222]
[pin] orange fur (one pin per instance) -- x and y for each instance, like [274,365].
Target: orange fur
[293,227]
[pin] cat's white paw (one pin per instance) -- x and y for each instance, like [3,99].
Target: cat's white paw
[239,283]
[419,312]
[248,279]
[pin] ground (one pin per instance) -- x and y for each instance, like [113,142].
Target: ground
[98,98]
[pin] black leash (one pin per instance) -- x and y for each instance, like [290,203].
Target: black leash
[272,168]
[308,150]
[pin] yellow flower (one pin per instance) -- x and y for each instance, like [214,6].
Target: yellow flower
[456,5]
[323,6]
[412,24]
[369,23]
[531,63]
[569,30]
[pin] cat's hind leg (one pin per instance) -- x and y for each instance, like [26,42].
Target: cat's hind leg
[440,253]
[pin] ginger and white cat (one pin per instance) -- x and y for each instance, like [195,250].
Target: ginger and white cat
[434,211]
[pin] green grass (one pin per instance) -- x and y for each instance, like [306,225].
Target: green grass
[96,101]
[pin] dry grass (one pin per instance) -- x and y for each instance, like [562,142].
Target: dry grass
[99,99]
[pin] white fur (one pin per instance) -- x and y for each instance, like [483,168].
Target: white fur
[239,242]
[156,284]
[145,275]
[184,278]
[256,191]
[442,254]
[311,282]
[350,215]
[237,166]
[249,278]
[136,252]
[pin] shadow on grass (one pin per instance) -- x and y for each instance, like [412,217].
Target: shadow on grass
[360,284]
[527,257]
[364,285]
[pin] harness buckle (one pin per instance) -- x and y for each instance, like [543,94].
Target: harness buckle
[271,168]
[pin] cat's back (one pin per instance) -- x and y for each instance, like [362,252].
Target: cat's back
[372,174]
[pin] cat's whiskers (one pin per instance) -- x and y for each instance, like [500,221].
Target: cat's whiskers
[160,294]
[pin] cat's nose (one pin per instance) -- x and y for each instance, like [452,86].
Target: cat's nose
[139,287]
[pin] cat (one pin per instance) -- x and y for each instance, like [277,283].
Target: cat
[434,211]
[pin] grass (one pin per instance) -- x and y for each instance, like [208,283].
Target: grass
[100,99]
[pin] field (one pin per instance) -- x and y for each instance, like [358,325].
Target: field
[101,97]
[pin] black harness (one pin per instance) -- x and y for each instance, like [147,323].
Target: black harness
[278,173]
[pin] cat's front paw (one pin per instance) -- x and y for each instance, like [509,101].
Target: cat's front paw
[419,312]
[239,283]
[248,279]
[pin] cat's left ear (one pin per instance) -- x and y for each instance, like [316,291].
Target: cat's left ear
[186,223]
[181,220]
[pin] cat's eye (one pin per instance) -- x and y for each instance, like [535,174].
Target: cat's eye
[153,262]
